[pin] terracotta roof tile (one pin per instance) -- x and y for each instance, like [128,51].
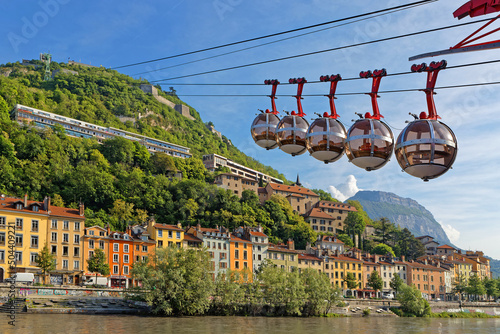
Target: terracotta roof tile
[317,213]
[168,227]
[294,189]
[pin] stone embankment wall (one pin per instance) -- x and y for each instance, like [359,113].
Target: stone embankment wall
[25,291]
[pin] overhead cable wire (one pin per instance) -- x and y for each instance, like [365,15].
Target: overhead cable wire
[317,81]
[274,34]
[344,94]
[323,51]
[276,41]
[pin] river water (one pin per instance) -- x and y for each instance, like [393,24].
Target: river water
[100,324]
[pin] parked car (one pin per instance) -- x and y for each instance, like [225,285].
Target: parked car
[387,295]
[26,278]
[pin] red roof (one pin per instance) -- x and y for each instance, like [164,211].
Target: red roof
[168,227]
[292,189]
[9,203]
[236,239]
[262,190]
[190,237]
[258,234]
[445,246]
[303,256]
[335,205]
[317,213]
[327,238]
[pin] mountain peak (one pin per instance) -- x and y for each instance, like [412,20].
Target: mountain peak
[405,212]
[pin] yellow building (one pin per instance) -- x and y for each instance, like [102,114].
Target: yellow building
[166,235]
[284,256]
[309,261]
[32,229]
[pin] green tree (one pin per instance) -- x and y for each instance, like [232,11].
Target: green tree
[383,249]
[345,239]
[475,286]
[354,224]
[350,280]
[396,283]
[316,289]
[459,286]
[384,229]
[98,264]
[178,281]
[46,261]
[122,211]
[118,150]
[412,302]
[375,281]
[227,295]
[490,286]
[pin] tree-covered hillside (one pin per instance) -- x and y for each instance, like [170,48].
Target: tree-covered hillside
[99,95]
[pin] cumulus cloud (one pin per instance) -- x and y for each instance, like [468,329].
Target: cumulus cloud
[452,233]
[345,190]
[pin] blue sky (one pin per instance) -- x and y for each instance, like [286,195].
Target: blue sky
[113,33]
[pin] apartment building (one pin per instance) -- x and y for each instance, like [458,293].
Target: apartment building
[80,129]
[214,161]
[241,257]
[37,224]
[301,199]
[165,235]
[284,256]
[235,183]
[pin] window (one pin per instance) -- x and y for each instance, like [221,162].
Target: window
[54,237]
[19,223]
[2,256]
[91,232]
[137,247]
[101,244]
[292,257]
[2,238]
[236,265]
[125,270]
[34,241]
[91,244]
[236,254]
[170,234]
[65,237]
[125,248]
[66,225]
[2,222]
[160,233]
[101,234]
[245,257]
[116,247]
[19,206]
[160,243]
[178,235]
[54,223]
[91,253]
[19,240]
[54,250]
[76,251]
[77,226]
[125,258]
[19,257]
[115,270]
[76,264]
[34,226]
[144,248]
[65,251]
[77,239]
[115,258]
[33,257]
[282,256]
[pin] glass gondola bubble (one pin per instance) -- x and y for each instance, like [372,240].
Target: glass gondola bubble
[326,135]
[427,148]
[370,141]
[292,129]
[263,128]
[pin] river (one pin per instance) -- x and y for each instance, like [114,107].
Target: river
[100,324]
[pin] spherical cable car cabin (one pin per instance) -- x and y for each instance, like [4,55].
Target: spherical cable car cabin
[264,126]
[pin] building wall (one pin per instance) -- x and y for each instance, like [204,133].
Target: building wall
[240,258]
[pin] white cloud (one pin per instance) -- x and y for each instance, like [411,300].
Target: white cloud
[345,190]
[452,233]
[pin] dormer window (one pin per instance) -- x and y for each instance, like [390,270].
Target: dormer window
[19,206]
[35,208]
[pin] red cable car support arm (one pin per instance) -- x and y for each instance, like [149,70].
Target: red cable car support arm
[432,73]
[472,8]
[334,79]
[377,76]
[275,84]
[300,82]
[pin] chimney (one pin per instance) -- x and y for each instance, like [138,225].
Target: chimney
[82,209]
[46,204]
[290,244]
[128,230]
[179,225]
[375,258]
[198,227]
[425,261]
[402,258]
[25,200]
[108,229]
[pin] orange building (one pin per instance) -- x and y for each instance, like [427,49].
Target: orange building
[120,250]
[94,237]
[430,280]
[240,257]
[301,199]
